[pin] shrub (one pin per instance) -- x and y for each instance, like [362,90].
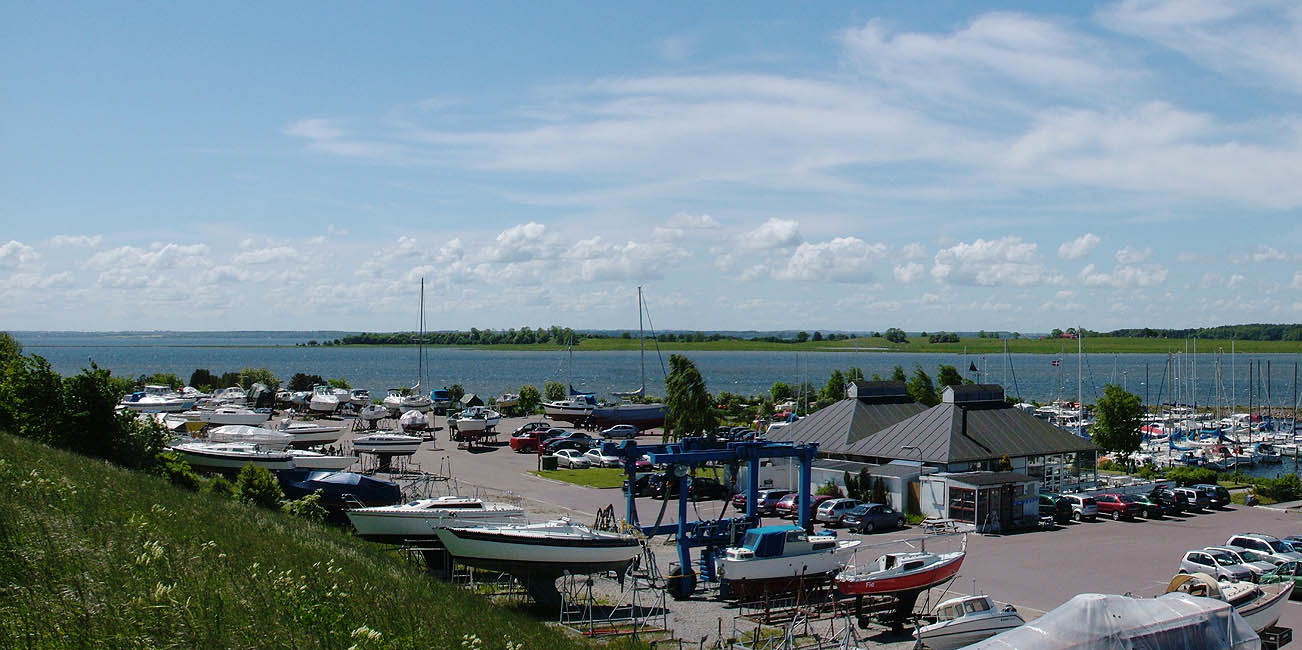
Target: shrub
[830,489]
[219,486]
[1186,476]
[308,507]
[258,486]
[1148,472]
[174,468]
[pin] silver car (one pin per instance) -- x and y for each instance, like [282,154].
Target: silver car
[1217,564]
[833,509]
[598,459]
[1256,563]
[1272,548]
[571,458]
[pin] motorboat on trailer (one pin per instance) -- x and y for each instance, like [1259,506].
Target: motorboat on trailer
[373,412]
[780,559]
[1260,605]
[387,443]
[477,419]
[264,438]
[400,400]
[360,397]
[227,414]
[965,620]
[156,399]
[549,548]
[413,420]
[902,572]
[229,395]
[232,455]
[575,409]
[324,399]
[307,434]
[315,460]
[419,519]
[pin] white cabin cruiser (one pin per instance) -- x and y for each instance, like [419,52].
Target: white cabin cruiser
[156,399]
[315,460]
[1259,605]
[777,559]
[575,409]
[476,419]
[229,395]
[965,620]
[324,399]
[307,434]
[399,401]
[419,519]
[232,455]
[227,414]
[264,438]
[386,443]
[360,397]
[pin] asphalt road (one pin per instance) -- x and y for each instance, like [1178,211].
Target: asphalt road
[1034,571]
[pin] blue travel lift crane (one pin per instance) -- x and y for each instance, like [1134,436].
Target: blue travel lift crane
[713,535]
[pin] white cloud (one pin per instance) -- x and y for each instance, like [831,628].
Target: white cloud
[1123,276]
[171,265]
[1265,253]
[81,241]
[1297,280]
[266,255]
[692,221]
[1235,281]
[15,253]
[909,273]
[844,259]
[774,233]
[316,129]
[1007,261]
[1130,255]
[1078,247]
[336,230]
[913,251]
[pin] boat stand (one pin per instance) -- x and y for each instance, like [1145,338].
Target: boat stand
[639,609]
[837,632]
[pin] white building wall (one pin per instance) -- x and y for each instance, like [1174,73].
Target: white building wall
[933,497]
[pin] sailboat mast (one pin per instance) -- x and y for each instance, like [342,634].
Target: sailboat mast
[420,348]
[641,342]
[1080,384]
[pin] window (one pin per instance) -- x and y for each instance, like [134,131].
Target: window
[976,606]
[962,504]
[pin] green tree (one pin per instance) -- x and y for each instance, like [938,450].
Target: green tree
[879,489]
[10,350]
[302,381]
[829,489]
[93,426]
[31,400]
[339,383]
[168,379]
[251,376]
[553,390]
[896,335]
[258,486]
[780,391]
[689,408]
[921,389]
[309,507]
[898,374]
[173,467]
[1118,417]
[802,337]
[530,398]
[818,336]
[203,379]
[457,391]
[835,387]
[947,375]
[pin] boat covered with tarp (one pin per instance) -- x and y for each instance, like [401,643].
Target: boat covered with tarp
[340,489]
[1111,622]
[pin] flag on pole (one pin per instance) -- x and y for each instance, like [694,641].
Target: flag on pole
[972,367]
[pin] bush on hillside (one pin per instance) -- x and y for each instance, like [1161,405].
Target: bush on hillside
[175,469]
[258,486]
[1186,476]
[308,507]
[219,486]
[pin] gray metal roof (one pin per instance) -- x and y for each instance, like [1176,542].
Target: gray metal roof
[980,479]
[839,427]
[954,433]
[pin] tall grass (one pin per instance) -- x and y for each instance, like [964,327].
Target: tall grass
[95,556]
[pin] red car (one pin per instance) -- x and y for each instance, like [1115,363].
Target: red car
[1119,506]
[786,506]
[526,438]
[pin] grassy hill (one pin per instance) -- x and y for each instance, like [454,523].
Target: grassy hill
[92,555]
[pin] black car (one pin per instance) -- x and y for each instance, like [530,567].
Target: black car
[699,487]
[645,484]
[1053,505]
[867,517]
[1174,502]
[576,440]
[533,426]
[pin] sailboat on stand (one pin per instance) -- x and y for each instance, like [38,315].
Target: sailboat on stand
[642,416]
[399,400]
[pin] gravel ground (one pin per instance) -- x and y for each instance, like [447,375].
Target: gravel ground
[1034,571]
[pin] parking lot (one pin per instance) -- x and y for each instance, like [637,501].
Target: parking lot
[1035,571]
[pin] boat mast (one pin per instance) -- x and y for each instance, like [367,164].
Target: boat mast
[420,344]
[641,343]
[1080,384]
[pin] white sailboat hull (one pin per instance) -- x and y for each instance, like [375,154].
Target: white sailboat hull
[197,455]
[391,524]
[517,551]
[948,635]
[310,460]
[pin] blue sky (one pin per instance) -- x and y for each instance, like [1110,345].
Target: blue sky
[848,166]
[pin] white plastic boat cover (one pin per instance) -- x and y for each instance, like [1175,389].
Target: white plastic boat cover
[1109,622]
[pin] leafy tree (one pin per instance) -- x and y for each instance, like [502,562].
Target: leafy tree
[896,335]
[879,489]
[835,388]
[830,489]
[530,398]
[553,391]
[31,400]
[10,350]
[780,391]
[854,374]
[93,426]
[689,408]
[1186,476]
[338,383]
[301,381]
[251,376]
[947,375]
[457,391]
[1116,425]
[802,337]
[1055,333]
[204,380]
[309,507]
[218,485]
[898,374]
[168,379]
[921,389]
[258,486]
[173,467]
[818,336]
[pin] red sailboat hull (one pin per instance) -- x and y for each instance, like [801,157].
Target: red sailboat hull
[933,574]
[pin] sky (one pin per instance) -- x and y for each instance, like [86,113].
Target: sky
[760,165]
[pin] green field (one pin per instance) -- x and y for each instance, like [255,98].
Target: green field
[597,477]
[1105,345]
[94,556]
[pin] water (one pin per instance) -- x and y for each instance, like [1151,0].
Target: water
[492,372]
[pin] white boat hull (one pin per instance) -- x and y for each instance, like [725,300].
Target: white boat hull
[311,435]
[198,457]
[388,446]
[265,438]
[490,548]
[1265,611]
[321,461]
[223,416]
[324,404]
[948,635]
[391,524]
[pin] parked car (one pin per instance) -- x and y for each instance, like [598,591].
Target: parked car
[1197,499]
[644,484]
[831,510]
[1082,507]
[576,440]
[598,459]
[1270,547]
[1217,496]
[571,458]
[527,441]
[1118,506]
[537,425]
[1257,563]
[787,506]
[765,502]
[1153,509]
[1174,502]
[698,487]
[869,517]
[1053,505]
[1219,565]
[622,431]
